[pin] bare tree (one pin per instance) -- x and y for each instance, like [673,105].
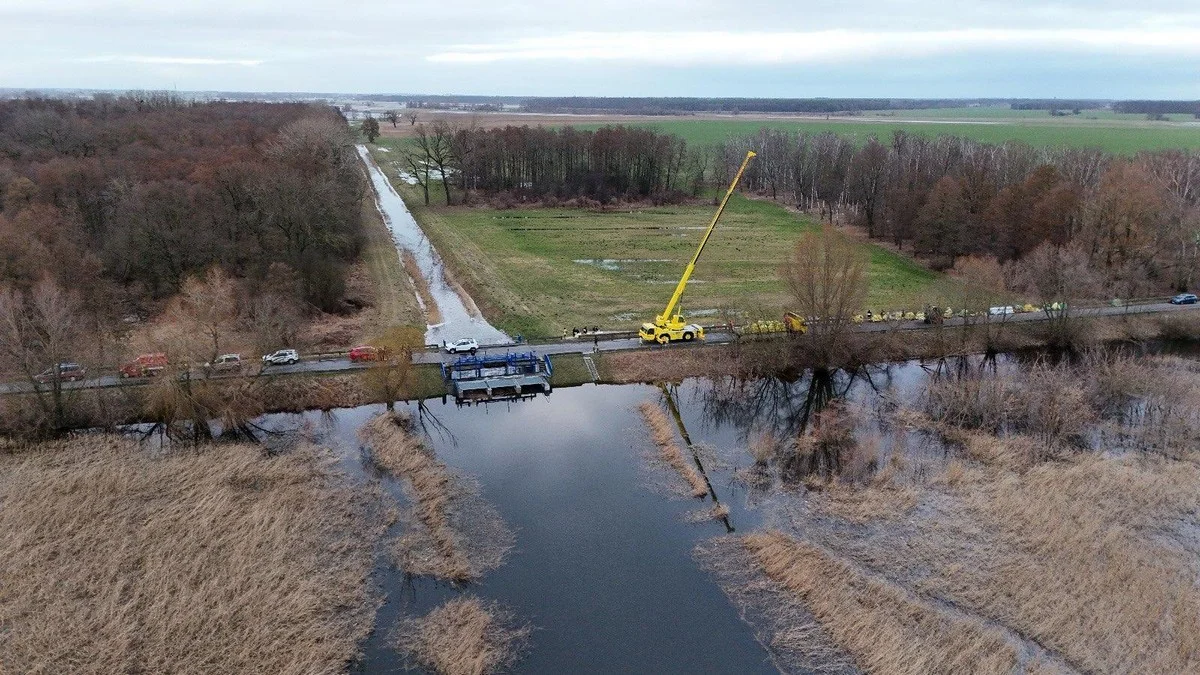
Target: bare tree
[208,307]
[1057,276]
[391,374]
[39,330]
[411,115]
[392,116]
[826,275]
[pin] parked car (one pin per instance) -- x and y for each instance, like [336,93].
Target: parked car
[463,345]
[364,353]
[67,372]
[1184,299]
[226,363]
[146,365]
[1001,311]
[282,357]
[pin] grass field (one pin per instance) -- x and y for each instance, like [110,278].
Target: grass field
[538,271]
[1115,132]
[1111,134]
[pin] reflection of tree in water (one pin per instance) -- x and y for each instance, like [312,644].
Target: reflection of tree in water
[804,420]
[774,405]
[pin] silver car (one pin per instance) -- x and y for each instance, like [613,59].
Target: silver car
[283,357]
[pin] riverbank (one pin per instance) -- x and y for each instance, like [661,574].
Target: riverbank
[746,358]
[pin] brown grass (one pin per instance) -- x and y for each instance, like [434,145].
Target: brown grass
[446,546]
[859,505]
[463,636]
[214,560]
[1084,561]
[885,629]
[433,314]
[662,432]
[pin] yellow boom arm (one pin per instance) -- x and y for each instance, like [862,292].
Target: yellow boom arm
[687,272]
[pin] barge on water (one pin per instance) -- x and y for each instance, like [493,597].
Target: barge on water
[494,377]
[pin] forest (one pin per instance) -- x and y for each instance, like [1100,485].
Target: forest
[1129,226]
[550,164]
[125,197]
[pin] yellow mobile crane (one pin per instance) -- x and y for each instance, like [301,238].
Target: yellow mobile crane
[669,325]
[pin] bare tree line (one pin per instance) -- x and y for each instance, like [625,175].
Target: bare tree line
[1136,220]
[546,164]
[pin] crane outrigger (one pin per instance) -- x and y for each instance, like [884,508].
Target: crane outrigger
[669,325]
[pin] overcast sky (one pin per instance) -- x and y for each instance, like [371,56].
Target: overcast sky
[894,48]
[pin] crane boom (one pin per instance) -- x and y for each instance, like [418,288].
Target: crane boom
[687,272]
[669,325]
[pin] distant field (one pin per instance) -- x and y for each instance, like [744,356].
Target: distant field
[1111,135]
[537,271]
[1120,133]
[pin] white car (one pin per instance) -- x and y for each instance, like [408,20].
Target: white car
[283,357]
[463,345]
[1001,311]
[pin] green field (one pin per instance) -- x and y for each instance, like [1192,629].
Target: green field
[1119,133]
[537,271]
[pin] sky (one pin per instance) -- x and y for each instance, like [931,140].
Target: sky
[770,48]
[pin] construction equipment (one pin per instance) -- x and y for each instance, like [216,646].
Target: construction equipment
[795,323]
[669,325]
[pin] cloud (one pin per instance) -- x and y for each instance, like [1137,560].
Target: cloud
[687,48]
[168,60]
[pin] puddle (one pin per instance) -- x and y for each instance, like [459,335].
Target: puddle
[617,264]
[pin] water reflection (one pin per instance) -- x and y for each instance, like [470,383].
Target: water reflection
[668,395]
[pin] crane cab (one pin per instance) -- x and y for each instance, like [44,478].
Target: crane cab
[666,331]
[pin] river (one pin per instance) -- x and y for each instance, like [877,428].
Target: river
[457,320]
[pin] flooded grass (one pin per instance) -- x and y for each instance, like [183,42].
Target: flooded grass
[433,315]
[444,504]
[886,629]
[463,636]
[1054,529]
[208,559]
[662,433]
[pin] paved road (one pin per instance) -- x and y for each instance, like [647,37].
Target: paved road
[586,344]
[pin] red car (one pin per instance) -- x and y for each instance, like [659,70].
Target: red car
[363,353]
[146,365]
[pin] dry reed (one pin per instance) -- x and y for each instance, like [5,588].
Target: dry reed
[461,536]
[885,629]
[663,435]
[463,636]
[1091,558]
[211,560]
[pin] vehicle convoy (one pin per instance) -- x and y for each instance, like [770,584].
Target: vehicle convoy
[282,357]
[67,372]
[669,326]
[146,365]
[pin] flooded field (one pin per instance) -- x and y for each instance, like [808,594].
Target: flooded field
[603,565]
[630,507]
[1022,513]
[457,316]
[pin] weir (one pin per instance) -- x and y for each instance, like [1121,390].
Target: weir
[491,377]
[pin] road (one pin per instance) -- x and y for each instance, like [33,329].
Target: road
[586,344]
